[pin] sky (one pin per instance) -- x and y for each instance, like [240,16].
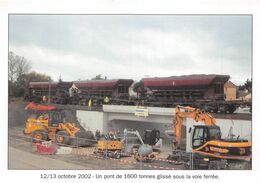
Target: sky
[134,46]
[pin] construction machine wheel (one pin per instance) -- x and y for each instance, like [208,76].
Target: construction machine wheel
[39,136]
[137,157]
[62,137]
[151,157]
[117,154]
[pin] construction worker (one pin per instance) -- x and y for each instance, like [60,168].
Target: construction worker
[44,99]
[118,134]
[106,100]
[111,135]
[89,104]
[98,134]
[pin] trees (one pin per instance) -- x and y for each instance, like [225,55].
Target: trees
[99,77]
[17,66]
[19,76]
[247,85]
[36,77]
[11,67]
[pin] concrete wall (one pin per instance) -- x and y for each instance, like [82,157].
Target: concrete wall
[132,117]
[240,127]
[131,110]
[91,120]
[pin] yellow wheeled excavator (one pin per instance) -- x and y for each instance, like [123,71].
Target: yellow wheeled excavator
[208,149]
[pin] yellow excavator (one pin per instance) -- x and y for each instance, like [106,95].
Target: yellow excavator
[209,150]
[49,123]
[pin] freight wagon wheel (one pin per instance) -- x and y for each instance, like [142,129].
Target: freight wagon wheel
[137,158]
[231,109]
[39,136]
[62,137]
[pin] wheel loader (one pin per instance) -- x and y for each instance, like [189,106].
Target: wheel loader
[48,123]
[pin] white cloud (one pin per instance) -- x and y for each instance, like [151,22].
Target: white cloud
[131,47]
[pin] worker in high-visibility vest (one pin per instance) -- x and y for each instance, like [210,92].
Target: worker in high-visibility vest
[44,99]
[106,100]
[89,104]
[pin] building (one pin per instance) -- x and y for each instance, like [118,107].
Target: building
[245,95]
[230,90]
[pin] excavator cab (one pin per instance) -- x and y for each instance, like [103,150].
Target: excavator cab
[151,137]
[203,134]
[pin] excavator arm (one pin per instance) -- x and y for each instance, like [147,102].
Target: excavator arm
[132,132]
[189,112]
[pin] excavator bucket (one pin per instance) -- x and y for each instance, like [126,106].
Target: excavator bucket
[83,137]
[78,137]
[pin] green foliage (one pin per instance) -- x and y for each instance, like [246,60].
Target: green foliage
[247,85]
[36,77]
[19,76]
[98,77]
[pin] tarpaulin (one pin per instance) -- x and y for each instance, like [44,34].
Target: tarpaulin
[39,107]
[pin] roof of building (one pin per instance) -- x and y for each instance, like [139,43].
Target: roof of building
[230,84]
